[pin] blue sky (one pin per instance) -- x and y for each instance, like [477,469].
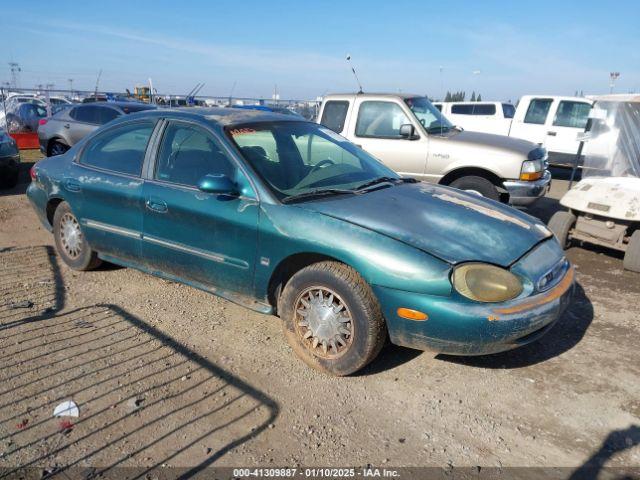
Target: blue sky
[553,47]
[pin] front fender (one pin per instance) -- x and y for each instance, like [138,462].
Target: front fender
[287,230]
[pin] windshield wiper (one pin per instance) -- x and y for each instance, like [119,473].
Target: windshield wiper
[379,180]
[318,192]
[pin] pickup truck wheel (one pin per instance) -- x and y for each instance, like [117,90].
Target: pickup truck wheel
[70,242]
[331,318]
[478,185]
[632,255]
[561,224]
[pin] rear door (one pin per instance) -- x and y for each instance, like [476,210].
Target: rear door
[108,176]
[196,236]
[377,130]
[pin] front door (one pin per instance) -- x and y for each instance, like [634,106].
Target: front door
[533,126]
[569,119]
[107,181]
[377,130]
[202,237]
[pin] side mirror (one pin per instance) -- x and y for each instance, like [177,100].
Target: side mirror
[220,184]
[408,131]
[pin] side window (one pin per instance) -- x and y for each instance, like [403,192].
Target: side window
[508,110]
[572,114]
[380,119]
[73,113]
[538,111]
[461,109]
[334,115]
[106,114]
[88,114]
[438,106]
[119,150]
[189,153]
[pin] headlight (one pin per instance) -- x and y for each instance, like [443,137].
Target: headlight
[486,283]
[532,170]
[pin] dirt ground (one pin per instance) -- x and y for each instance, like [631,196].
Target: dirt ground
[167,375]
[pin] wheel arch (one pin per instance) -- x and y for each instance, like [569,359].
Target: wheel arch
[288,267]
[50,209]
[489,175]
[58,139]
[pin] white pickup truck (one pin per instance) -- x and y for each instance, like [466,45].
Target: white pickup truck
[553,122]
[413,138]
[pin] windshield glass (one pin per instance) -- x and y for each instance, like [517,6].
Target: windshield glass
[297,158]
[612,148]
[428,115]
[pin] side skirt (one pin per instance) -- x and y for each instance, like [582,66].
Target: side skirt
[242,300]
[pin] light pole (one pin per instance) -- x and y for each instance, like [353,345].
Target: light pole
[442,83]
[613,76]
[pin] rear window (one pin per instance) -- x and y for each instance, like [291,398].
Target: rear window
[334,115]
[474,109]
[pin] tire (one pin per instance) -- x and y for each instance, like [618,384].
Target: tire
[359,339]
[560,224]
[57,148]
[632,256]
[480,185]
[74,249]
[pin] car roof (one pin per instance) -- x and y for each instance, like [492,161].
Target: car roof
[373,94]
[217,115]
[113,104]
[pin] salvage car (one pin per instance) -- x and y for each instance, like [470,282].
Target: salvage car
[286,217]
[65,128]
[413,138]
[9,160]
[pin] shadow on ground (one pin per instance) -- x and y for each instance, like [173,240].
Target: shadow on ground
[565,334]
[145,400]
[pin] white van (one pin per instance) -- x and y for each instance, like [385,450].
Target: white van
[487,117]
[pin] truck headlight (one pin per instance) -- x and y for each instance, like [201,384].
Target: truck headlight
[532,170]
[486,283]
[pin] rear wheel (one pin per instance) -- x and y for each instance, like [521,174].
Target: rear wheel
[561,224]
[70,242]
[331,318]
[57,148]
[477,185]
[632,255]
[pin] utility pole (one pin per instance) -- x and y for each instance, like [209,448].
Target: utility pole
[70,80]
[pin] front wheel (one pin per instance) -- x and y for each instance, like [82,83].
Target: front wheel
[331,318]
[478,186]
[71,244]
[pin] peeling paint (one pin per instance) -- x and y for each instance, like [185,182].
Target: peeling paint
[490,212]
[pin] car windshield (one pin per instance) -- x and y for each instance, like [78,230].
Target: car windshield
[302,159]
[429,116]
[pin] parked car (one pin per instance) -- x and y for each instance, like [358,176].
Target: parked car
[553,122]
[284,216]
[61,131]
[25,117]
[9,160]
[488,117]
[412,137]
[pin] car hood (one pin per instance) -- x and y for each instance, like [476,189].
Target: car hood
[447,223]
[494,142]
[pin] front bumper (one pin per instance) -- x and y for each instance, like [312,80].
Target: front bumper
[523,193]
[458,327]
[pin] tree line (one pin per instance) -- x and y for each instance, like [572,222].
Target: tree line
[460,96]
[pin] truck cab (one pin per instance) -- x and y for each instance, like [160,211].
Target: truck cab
[411,136]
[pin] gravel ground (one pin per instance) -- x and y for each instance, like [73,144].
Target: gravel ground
[165,374]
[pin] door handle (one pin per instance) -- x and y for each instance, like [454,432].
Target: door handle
[157,205]
[72,185]
[551,133]
[66,125]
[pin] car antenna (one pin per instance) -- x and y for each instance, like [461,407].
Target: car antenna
[354,74]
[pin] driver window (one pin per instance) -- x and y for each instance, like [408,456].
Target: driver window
[380,119]
[189,153]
